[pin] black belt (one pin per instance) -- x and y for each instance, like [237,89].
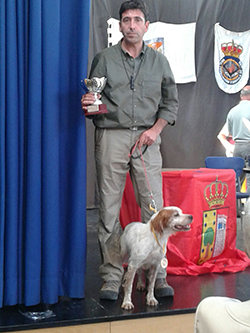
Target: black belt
[137,128]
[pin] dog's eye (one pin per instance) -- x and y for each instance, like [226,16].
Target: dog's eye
[176,214]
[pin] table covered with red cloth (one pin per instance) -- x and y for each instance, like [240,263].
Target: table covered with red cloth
[209,195]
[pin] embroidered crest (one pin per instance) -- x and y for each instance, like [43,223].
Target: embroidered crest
[230,65]
[214,220]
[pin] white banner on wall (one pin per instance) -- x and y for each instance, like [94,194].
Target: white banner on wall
[231,59]
[175,41]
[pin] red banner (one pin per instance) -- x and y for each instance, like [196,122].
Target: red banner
[210,245]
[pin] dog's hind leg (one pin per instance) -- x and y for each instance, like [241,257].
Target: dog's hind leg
[151,300]
[128,286]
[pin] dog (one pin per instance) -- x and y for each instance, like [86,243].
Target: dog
[143,247]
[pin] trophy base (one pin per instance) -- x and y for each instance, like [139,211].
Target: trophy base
[96,109]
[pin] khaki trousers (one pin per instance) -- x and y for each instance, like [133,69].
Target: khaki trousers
[112,147]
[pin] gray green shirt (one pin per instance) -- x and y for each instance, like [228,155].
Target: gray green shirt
[235,121]
[150,95]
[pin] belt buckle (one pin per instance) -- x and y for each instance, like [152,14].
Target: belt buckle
[134,128]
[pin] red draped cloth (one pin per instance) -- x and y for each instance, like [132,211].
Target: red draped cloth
[209,195]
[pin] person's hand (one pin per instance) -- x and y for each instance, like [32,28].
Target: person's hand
[148,137]
[87,100]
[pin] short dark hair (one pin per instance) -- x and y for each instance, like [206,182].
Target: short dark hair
[134,4]
[245,91]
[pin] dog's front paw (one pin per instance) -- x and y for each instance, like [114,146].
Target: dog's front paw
[151,301]
[127,305]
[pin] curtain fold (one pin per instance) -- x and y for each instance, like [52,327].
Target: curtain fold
[43,56]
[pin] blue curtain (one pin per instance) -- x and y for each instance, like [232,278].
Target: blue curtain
[43,57]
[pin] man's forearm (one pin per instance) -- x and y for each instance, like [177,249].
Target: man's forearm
[159,125]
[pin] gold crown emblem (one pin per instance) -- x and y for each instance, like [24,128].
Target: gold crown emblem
[215,193]
[231,49]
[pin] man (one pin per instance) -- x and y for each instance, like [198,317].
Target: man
[237,127]
[229,143]
[141,98]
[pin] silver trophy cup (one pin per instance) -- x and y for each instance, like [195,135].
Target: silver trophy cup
[96,85]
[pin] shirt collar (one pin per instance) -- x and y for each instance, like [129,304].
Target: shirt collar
[245,101]
[142,53]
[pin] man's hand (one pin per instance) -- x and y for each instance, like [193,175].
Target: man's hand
[87,100]
[149,136]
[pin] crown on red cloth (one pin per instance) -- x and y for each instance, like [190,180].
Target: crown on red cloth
[216,192]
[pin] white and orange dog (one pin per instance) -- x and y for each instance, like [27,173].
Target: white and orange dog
[143,246]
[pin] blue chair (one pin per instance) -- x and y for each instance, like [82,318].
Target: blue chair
[237,164]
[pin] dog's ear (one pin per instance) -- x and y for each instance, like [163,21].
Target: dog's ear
[160,222]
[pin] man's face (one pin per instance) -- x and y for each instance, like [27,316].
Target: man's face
[133,25]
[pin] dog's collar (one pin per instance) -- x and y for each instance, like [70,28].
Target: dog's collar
[162,247]
[164,261]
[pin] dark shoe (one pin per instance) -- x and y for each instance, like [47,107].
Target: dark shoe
[162,289]
[110,290]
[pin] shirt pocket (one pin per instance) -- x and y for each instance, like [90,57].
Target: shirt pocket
[151,88]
